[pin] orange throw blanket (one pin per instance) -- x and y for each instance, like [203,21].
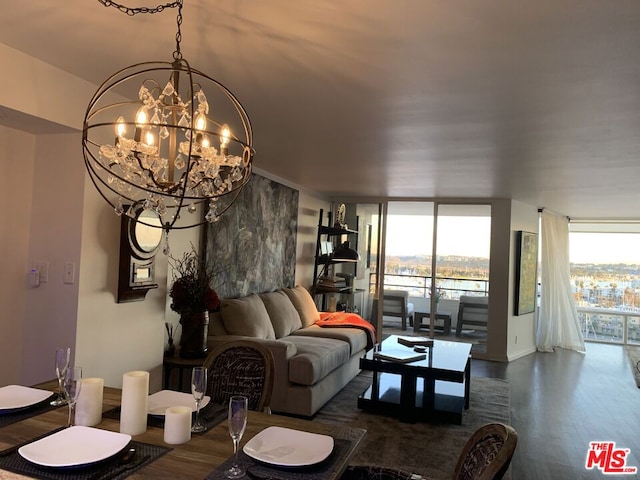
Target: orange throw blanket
[352,320]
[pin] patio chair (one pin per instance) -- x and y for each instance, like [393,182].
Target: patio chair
[472,311]
[396,304]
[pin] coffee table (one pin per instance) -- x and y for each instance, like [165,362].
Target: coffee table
[434,389]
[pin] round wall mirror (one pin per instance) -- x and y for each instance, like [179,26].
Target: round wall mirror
[147,237]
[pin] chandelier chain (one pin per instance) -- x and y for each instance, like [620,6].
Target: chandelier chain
[131,11]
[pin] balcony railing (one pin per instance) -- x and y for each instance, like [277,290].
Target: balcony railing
[451,287]
[597,324]
[609,326]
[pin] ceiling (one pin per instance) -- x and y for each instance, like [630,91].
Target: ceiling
[538,101]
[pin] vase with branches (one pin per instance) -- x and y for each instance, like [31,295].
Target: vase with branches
[193,297]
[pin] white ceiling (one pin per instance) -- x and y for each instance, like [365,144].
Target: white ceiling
[538,101]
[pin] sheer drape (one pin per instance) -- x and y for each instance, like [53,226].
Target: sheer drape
[558,324]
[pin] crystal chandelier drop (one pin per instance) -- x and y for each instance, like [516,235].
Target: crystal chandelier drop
[152,138]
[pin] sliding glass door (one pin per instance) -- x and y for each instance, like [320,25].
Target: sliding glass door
[451,240]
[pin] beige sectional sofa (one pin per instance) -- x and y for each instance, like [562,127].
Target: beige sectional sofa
[312,363]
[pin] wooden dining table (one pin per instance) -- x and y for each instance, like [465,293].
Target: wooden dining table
[192,460]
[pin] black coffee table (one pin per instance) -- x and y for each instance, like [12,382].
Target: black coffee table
[434,389]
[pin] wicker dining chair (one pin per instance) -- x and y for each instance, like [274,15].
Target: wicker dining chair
[241,367]
[486,456]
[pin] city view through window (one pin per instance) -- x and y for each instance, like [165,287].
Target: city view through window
[605,277]
[604,269]
[462,259]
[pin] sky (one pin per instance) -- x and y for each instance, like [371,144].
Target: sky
[604,248]
[470,236]
[413,235]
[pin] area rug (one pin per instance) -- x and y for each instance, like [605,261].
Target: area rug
[633,354]
[430,450]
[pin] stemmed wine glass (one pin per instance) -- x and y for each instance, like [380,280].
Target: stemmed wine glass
[198,389]
[62,364]
[72,385]
[237,423]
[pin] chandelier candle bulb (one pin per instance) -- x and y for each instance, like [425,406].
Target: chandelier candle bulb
[89,404]
[135,393]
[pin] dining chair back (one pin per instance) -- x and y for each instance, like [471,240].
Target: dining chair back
[487,454]
[241,367]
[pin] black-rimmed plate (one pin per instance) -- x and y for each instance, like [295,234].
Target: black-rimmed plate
[74,446]
[17,397]
[285,447]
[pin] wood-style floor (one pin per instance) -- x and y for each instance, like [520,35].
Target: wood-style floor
[561,401]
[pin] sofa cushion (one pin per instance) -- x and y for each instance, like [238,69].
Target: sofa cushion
[304,304]
[246,316]
[284,316]
[316,358]
[355,337]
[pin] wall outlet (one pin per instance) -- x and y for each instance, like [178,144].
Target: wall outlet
[68,276]
[516,339]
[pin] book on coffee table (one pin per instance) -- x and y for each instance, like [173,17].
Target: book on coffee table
[400,356]
[416,341]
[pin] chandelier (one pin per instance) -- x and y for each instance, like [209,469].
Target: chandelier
[153,139]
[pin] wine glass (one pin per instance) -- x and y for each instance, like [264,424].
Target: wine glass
[62,364]
[237,423]
[198,389]
[72,385]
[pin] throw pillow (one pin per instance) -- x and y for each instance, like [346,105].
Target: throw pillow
[284,316]
[246,316]
[304,304]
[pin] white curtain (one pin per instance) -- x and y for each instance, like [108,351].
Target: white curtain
[558,324]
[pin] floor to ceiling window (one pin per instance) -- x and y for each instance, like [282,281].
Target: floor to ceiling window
[460,259]
[605,274]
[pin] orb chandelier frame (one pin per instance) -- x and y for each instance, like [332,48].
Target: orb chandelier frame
[150,139]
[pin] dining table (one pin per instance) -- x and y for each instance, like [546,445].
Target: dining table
[204,456]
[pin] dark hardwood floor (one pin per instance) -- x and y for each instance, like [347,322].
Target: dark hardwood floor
[561,401]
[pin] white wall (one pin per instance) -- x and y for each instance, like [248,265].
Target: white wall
[55,236]
[17,151]
[521,337]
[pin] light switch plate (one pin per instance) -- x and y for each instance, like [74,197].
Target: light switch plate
[43,270]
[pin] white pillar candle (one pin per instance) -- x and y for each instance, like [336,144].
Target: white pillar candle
[89,404]
[177,425]
[135,394]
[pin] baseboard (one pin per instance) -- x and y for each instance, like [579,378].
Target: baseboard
[523,353]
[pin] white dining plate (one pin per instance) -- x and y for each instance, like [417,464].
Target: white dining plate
[17,396]
[285,447]
[160,401]
[74,446]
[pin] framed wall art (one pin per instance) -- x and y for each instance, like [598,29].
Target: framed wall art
[526,272]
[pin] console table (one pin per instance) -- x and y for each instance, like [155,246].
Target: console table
[170,362]
[436,388]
